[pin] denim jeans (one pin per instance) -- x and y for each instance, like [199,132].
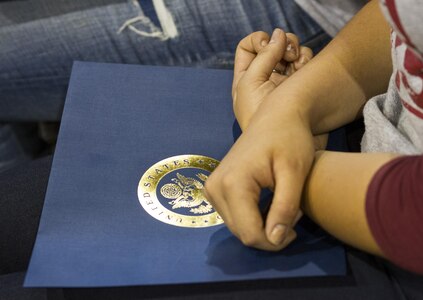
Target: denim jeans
[41,38]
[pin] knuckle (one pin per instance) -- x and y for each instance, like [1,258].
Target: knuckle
[247,42]
[260,35]
[209,187]
[292,37]
[239,47]
[228,181]
[271,53]
[297,166]
[219,182]
[261,32]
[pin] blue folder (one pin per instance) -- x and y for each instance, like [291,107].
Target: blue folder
[119,121]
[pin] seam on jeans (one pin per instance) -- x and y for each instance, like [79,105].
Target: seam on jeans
[153,31]
[32,82]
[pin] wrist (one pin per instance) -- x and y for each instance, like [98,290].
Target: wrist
[285,107]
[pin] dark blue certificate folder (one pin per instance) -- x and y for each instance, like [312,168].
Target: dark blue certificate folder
[118,122]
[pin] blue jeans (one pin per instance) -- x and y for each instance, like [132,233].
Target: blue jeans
[40,40]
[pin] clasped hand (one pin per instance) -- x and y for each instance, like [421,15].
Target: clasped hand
[276,149]
[261,66]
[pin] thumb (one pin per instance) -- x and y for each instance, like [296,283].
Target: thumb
[262,66]
[284,210]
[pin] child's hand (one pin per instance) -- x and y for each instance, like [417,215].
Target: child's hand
[276,151]
[260,66]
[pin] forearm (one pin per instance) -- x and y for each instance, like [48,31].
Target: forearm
[335,194]
[332,88]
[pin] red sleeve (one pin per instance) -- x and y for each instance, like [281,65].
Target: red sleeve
[394,208]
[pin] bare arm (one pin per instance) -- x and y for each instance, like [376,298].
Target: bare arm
[335,195]
[331,89]
[357,67]
[276,148]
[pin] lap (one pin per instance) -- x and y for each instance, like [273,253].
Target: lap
[41,39]
[23,190]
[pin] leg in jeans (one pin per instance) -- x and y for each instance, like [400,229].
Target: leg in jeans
[41,39]
[11,151]
[22,191]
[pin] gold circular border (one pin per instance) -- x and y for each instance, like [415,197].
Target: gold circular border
[150,179]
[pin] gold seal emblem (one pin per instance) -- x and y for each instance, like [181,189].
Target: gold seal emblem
[172,191]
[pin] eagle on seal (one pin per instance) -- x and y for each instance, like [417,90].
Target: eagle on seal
[192,195]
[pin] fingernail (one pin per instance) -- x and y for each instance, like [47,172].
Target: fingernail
[263,43]
[276,33]
[278,234]
[291,48]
